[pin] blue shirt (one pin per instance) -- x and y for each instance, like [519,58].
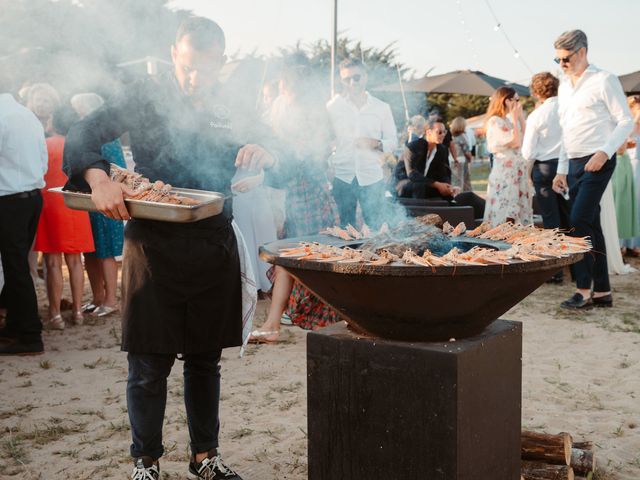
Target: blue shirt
[23,152]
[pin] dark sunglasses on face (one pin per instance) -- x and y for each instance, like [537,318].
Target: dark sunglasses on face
[355,78]
[566,59]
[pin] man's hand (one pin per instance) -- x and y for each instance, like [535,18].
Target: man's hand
[254,157]
[108,196]
[596,162]
[560,184]
[444,189]
[368,143]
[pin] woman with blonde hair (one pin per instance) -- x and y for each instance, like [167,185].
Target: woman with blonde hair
[460,176]
[509,194]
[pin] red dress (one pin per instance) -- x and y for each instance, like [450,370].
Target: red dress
[60,229]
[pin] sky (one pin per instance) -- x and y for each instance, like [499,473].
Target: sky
[439,35]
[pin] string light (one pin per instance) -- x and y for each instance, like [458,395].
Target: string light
[498,27]
[467,32]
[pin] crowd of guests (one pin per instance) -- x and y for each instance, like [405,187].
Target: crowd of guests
[350,184]
[82,240]
[341,174]
[304,167]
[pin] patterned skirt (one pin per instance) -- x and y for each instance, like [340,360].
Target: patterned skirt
[310,208]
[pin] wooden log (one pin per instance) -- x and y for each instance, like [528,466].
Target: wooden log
[583,461]
[550,448]
[583,445]
[545,471]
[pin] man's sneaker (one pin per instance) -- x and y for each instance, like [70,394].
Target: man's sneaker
[212,469]
[149,472]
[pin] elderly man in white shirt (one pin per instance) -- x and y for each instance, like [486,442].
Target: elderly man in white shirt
[541,146]
[23,163]
[364,129]
[595,121]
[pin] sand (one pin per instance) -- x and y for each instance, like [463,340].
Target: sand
[63,414]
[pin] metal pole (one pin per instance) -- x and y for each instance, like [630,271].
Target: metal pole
[404,98]
[334,45]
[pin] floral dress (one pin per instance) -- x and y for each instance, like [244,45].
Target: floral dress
[509,193]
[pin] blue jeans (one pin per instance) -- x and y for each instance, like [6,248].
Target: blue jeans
[147,398]
[371,198]
[585,190]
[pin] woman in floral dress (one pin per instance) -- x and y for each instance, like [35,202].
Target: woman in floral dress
[509,193]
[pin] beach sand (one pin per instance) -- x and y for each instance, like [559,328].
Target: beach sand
[63,414]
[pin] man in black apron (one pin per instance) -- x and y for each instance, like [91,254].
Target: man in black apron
[181,287]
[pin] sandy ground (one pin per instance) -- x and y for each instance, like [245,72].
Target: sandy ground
[63,414]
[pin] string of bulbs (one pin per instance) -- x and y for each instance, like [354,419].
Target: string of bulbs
[467,32]
[498,27]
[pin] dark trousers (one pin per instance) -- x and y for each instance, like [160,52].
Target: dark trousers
[18,224]
[553,207]
[471,199]
[147,398]
[586,189]
[371,198]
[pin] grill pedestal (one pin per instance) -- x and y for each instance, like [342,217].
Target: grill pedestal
[440,411]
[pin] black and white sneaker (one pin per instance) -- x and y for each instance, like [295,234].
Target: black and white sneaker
[212,469]
[149,472]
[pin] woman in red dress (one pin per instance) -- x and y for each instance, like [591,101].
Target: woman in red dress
[62,230]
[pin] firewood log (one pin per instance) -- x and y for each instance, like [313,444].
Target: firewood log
[554,449]
[582,461]
[545,471]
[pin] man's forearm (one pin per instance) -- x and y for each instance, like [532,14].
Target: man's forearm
[94,176]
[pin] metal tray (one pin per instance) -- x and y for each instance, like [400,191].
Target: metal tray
[212,203]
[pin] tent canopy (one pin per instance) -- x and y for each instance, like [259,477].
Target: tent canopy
[468,82]
[630,82]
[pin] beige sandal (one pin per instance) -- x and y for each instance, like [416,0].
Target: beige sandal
[258,336]
[54,323]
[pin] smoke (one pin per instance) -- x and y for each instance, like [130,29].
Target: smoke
[102,46]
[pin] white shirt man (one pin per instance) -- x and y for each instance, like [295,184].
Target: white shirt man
[373,120]
[23,163]
[364,129]
[543,136]
[595,121]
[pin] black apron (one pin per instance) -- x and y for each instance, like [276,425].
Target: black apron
[181,290]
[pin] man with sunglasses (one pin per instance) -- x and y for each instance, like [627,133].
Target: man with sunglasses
[364,130]
[595,120]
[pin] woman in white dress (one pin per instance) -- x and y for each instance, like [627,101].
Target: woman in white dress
[509,193]
[632,246]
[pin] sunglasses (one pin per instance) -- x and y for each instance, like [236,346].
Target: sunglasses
[566,59]
[353,78]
